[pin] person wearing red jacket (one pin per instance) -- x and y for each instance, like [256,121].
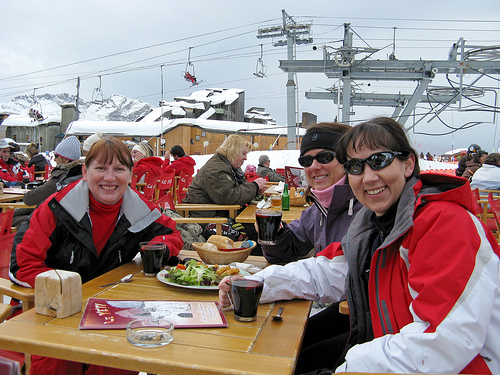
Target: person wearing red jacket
[419,270]
[145,162]
[182,164]
[11,171]
[90,227]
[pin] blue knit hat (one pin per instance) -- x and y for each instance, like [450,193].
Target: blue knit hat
[69,148]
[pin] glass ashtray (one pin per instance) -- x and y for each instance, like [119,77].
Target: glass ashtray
[150,332]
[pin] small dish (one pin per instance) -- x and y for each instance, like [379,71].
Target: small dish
[150,332]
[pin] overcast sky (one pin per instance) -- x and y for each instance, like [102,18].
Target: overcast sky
[46,44]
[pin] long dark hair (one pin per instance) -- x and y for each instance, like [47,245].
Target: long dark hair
[380,132]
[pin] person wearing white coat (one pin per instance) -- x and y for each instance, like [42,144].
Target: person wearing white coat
[488,176]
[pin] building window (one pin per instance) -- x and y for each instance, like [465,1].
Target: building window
[197,137]
[203,134]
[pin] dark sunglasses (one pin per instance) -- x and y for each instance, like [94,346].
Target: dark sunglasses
[376,161]
[323,157]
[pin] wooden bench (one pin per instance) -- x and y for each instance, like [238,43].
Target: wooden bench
[185,208]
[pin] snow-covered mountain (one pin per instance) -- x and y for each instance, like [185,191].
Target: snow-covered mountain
[114,108]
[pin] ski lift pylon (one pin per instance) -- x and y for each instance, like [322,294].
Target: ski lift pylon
[97,95]
[260,68]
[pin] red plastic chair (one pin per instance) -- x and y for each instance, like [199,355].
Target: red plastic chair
[165,185]
[250,176]
[6,223]
[48,169]
[149,189]
[182,186]
[495,207]
[166,202]
[31,172]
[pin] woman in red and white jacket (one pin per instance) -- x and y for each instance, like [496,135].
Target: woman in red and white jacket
[419,270]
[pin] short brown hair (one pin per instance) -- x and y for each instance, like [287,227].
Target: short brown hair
[31,150]
[106,149]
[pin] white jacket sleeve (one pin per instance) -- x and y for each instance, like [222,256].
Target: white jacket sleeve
[319,279]
[471,327]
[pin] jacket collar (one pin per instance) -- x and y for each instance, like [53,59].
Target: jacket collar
[137,212]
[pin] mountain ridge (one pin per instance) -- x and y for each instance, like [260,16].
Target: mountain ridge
[114,108]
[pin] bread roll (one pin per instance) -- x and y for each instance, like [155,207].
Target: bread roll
[221,242]
[210,246]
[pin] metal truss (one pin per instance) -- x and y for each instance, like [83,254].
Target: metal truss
[345,65]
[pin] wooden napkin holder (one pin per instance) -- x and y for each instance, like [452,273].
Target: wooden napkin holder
[58,293]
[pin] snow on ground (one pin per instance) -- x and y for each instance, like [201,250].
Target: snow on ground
[280,159]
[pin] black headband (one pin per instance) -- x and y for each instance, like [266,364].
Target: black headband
[319,138]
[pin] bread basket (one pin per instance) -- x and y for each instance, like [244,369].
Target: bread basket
[298,200]
[222,257]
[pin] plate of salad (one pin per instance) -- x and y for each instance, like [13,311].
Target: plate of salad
[196,275]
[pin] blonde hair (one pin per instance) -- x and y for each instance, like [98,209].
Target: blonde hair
[232,145]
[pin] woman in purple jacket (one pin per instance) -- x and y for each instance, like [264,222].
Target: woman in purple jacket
[333,204]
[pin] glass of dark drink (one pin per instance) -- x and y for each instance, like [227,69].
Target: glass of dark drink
[245,296]
[268,222]
[152,257]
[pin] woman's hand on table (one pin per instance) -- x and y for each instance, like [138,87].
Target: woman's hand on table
[262,184]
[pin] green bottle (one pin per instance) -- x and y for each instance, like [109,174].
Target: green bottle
[285,199]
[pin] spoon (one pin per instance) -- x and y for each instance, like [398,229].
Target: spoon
[278,315]
[124,279]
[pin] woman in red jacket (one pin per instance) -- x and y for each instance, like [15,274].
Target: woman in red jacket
[145,162]
[91,227]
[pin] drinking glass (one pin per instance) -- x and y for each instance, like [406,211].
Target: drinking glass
[268,222]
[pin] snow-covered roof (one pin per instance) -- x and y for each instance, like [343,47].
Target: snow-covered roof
[456,151]
[214,96]
[153,128]
[25,120]
[19,120]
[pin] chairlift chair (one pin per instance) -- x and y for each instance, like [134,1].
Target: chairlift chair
[97,95]
[189,73]
[260,68]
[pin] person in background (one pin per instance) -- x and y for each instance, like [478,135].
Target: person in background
[68,169]
[36,159]
[473,165]
[90,227]
[333,205]
[421,299]
[264,170]
[12,173]
[145,162]
[87,144]
[182,164]
[488,176]
[471,150]
[221,180]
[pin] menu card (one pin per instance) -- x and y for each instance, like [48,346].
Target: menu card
[116,314]
[295,177]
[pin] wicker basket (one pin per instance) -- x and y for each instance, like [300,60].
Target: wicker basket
[222,257]
[298,201]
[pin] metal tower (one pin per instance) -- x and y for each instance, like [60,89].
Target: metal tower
[342,63]
[295,33]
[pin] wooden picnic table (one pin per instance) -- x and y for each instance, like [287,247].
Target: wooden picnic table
[261,347]
[248,214]
[11,197]
[15,190]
